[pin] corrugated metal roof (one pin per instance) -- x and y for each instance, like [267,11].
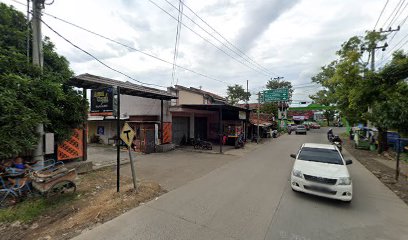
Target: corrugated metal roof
[90,81]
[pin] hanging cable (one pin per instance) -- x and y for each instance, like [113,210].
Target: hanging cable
[392,13]
[104,64]
[127,46]
[238,52]
[205,39]
[181,7]
[382,11]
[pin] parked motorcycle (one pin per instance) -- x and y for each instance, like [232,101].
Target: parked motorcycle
[240,143]
[200,144]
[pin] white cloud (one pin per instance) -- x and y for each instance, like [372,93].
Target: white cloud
[290,38]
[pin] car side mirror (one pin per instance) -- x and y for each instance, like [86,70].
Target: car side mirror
[348,162]
[293,155]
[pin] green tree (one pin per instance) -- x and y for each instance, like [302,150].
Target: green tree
[30,96]
[390,105]
[272,108]
[351,87]
[322,97]
[277,83]
[237,93]
[269,108]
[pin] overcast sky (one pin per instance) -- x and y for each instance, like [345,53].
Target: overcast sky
[292,39]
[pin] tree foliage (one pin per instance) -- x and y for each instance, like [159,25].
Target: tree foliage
[323,97]
[237,93]
[30,96]
[272,108]
[277,83]
[269,108]
[352,87]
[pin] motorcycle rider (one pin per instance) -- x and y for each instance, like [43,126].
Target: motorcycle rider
[240,141]
[336,138]
[330,134]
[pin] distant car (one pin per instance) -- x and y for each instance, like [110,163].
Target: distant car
[320,169]
[307,126]
[301,129]
[315,126]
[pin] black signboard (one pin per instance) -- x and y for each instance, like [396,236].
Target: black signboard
[102,101]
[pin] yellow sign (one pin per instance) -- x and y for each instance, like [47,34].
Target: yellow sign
[127,134]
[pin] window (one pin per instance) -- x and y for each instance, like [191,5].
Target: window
[320,155]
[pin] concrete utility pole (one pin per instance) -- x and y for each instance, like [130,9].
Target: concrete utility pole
[259,109]
[38,59]
[246,115]
[372,49]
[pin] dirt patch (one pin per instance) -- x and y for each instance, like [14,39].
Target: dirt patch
[384,173]
[95,202]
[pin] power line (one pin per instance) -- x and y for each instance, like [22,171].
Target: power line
[382,11]
[390,51]
[385,23]
[396,13]
[177,43]
[242,54]
[111,68]
[399,14]
[205,39]
[137,50]
[400,25]
[395,47]
[129,47]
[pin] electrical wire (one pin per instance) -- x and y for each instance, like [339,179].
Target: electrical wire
[382,11]
[240,53]
[399,14]
[104,64]
[390,51]
[396,14]
[207,40]
[396,49]
[400,25]
[127,46]
[177,43]
[392,13]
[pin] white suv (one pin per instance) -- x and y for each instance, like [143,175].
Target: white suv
[320,169]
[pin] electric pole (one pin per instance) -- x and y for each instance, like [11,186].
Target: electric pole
[259,109]
[371,48]
[246,113]
[38,60]
[278,78]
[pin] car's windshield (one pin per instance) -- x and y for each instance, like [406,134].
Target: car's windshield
[320,155]
[301,126]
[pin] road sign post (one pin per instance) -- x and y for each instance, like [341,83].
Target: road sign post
[127,136]
[118,140]
[276,95]
[280,95]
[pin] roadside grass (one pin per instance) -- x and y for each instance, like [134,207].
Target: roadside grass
[345,134]
[30,209]
[404,157]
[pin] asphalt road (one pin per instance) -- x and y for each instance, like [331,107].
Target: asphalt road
[250,198]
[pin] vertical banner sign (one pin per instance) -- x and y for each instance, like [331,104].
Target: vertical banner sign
[102,102]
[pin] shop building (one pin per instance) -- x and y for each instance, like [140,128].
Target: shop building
[198,114]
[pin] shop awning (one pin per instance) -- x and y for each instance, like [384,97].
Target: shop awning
[260,123]
[102,118]
[90,81]
[214,107]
